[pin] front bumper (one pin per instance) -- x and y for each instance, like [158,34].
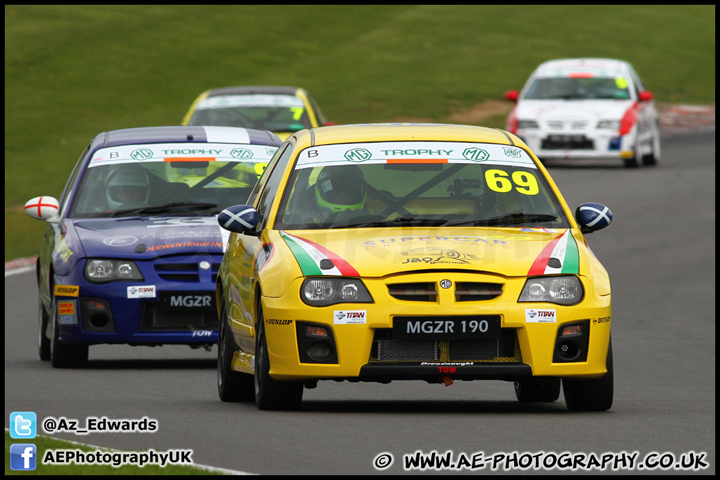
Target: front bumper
[368,351]
[154,312]
[584,145]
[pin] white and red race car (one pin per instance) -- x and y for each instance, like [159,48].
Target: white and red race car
[587,108]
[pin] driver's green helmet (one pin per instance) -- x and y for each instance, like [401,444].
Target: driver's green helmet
[341,188]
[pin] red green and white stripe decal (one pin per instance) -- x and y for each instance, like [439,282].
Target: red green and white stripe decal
[563,248]
[309,255]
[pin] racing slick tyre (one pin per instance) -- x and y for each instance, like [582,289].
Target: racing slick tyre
[591,395]
[652,158]
[269,393]
[636,160]
[232,386]
[538,389]
[43,325]
[64,355]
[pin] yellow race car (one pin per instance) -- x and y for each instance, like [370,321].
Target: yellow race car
[411,252]
[282,110]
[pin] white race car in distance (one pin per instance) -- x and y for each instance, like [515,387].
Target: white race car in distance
[587,108]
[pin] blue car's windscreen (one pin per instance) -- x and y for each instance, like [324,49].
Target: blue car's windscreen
[168,179]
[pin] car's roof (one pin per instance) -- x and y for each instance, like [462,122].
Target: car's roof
[265,89]
[185,134]
[576,64]
[404,132]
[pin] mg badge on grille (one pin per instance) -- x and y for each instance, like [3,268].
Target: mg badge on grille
[204,265]
[445,283]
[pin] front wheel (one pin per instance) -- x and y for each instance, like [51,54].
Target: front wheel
[271,394]
[591,395]
[652,158]
[232,386]
[43,326]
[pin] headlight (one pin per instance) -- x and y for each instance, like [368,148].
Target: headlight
[319,292]
[527,124]
[609,124]
[563,290]
[102,271]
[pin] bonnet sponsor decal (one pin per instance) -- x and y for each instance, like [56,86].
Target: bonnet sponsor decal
[437,255]
[315,259]
[559,256]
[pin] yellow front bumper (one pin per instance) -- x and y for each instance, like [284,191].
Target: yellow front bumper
[536,342]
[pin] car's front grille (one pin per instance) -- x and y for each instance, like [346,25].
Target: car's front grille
[572,124]
[570,143]
[387,349]
[418,292]
[475,291]
[183,272]
[427,291]
[156,318]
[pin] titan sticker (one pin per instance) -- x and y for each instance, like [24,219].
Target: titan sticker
[536,315]
[345,317]
[141,291]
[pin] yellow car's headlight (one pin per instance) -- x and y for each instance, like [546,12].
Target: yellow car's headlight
[319,292]
[566,290]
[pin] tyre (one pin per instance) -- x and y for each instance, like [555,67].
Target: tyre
[652,158]
[64,355]
[591,395]
[636,160]
[269,393]
[538,389]
[43,325]
[232,386]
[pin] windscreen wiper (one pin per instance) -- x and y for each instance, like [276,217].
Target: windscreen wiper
[507,219]
[399,221]
[166,208]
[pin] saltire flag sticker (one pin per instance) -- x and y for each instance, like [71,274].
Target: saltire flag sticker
[559,256]
[309,255]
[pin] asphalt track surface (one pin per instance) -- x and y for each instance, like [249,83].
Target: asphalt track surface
[660,254]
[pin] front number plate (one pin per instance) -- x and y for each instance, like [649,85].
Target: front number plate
[451,328]
[188,300]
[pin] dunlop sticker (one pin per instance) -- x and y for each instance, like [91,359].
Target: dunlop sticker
[67,290]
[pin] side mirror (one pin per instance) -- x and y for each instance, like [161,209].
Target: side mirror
[592,217]
[645,96]
[43,208]
[512,95]
[238,218]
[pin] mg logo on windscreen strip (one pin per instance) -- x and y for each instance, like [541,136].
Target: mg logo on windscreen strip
[476,154]
[141,154]
[241,153]
[358,155]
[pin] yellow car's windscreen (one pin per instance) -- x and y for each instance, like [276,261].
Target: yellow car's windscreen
[417,183]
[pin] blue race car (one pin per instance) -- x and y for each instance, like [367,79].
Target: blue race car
[132,247]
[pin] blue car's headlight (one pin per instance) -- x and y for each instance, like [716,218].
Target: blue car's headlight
[566,290]
[320,292]
[102,271]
